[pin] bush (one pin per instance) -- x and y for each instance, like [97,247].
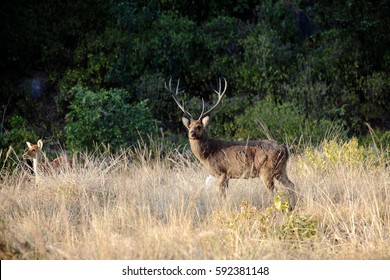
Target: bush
[20,131]
[275,221]
[332,81]
[333,153]
[160,102]
[224,119]
[284,123]
[220,40]
[13,141]
[261,70]
[106,117]
[167,44]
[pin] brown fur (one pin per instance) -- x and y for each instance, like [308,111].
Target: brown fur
[239,160]
[40,162]
[234,160]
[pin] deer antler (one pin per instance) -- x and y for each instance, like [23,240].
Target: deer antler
[175,97]
[176,93]
[220,96]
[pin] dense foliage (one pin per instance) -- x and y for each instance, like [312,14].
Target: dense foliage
[297,66]
[106,117]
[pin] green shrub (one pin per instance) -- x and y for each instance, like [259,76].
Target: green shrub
[276,221]
[260,70]
[223,123]
[93,58]
[376,88]
[284,123]
[160,102]
[332,153]
[20,131]
[332,81]
[106,117]
[13,141]
[167,44]
[220,39]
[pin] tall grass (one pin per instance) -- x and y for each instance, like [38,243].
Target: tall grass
[151,203]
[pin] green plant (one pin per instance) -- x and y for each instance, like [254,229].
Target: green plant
[13,141]
[20,131]
[350,154]
[283,122]
[106,117]
[261,67]
[274,221]
[223,121]
[93,58]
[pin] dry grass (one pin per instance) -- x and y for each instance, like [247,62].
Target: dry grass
[131,206]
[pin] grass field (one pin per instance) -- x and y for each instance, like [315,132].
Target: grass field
[142,204]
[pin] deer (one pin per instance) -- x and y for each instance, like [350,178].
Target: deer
[227,160]
[40,162]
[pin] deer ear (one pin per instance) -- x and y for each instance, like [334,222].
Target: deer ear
[28,144]
[40,144]
[186,121]
[205,121]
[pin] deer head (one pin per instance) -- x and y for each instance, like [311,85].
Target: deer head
[196,128]
[34,151]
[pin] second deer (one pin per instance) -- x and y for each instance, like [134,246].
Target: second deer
[235,160]
[40,162]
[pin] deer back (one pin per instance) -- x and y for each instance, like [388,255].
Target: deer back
[239,159]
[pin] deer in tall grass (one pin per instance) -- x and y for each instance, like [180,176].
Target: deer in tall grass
[40,162]
[234,160]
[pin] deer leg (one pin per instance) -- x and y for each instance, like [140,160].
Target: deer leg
[223,182]
[268,181]
[292,200]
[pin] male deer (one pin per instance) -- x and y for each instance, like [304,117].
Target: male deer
[40,162]
[235,160]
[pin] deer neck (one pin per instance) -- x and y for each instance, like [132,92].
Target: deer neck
[39,163]
[201,147]
[35,165]
[37,172]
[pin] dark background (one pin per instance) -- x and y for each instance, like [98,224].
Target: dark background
[85,72]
